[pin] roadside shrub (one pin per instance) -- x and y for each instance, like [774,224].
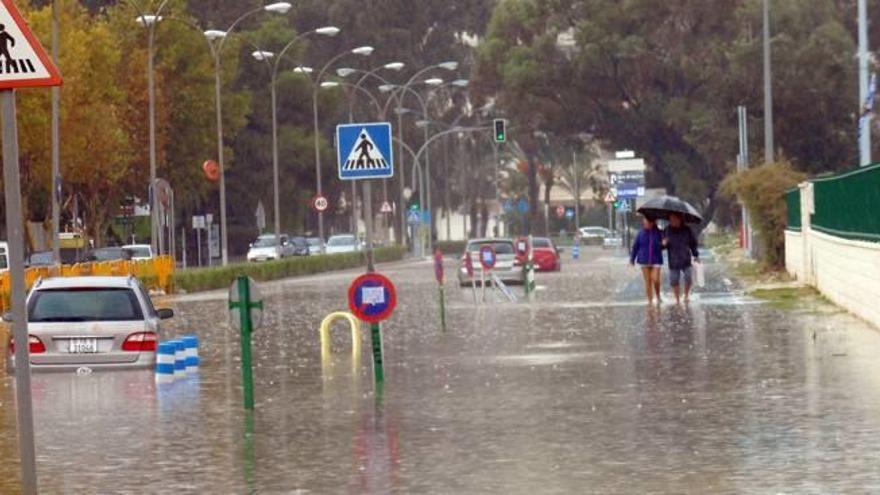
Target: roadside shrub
[200,279]
[450,247]
[762,191]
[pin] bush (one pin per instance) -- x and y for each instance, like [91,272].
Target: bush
[200,279]
[762,191]
[450,247]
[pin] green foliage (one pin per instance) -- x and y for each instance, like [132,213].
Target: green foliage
[451,247]
[762,190]
[200,279]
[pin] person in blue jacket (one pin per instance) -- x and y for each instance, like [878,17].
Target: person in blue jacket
[647,251]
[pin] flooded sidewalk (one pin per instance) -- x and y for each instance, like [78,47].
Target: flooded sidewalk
[583,390]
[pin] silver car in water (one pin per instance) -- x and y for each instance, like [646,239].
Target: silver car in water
[96,322]
[507,268]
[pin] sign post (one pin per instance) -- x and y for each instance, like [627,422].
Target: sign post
[26,65]
[364,152]
[438,274]
[246,305]
[469,267]
[372,298]
[529,268]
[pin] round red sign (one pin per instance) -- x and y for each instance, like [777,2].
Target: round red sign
[212,170]
[320,203]
[488,257]
[372,297]
[438,266]
[560,211]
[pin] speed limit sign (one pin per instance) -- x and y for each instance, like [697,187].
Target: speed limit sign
[320,203]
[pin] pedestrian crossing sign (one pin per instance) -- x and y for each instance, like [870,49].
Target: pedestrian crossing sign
[364,151]
[23,62]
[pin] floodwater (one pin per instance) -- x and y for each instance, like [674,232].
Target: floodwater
[584,390]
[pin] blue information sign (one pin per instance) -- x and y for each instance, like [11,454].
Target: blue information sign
[364,151]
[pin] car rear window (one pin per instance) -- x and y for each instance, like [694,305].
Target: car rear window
[499,247]
[542,243]
[139,252]
[86,304]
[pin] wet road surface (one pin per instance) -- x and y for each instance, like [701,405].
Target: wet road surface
[584,390]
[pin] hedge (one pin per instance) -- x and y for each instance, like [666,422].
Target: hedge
[200,279]
[450,247]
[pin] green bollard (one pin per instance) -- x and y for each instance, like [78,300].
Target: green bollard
[442,309]
[376,337]
[245,306]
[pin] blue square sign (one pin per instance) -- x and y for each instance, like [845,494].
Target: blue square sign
[364,151]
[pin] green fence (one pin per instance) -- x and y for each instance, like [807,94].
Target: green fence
[847,204]
[793,201]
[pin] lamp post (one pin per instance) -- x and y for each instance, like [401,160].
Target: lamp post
[363,51]
[216,40]
[345,72]
[273,62]
[449,65]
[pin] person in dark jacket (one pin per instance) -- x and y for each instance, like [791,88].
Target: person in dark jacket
[681,243]
[647,250]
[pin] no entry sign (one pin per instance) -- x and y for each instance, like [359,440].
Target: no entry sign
[372,297]
[438,266]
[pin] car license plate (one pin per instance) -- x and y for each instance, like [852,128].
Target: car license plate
[83,346]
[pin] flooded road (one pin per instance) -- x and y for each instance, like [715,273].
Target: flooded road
[584,390]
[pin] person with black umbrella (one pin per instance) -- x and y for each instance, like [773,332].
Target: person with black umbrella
[681,245]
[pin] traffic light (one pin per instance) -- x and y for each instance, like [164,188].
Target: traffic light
[500,130]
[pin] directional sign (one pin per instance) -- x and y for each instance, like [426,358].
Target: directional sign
[508,206]
[569,213]
[523,206]
[560,211]
[372,297]
[25,64]
[320,203]
[488,257]
[630,190]
[386,207]
[364,151]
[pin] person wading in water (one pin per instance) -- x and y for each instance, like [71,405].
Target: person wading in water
[647,250]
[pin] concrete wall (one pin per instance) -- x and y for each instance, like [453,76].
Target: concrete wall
[845,271]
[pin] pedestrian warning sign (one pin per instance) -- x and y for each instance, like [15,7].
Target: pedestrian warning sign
[23,62]
[364,151]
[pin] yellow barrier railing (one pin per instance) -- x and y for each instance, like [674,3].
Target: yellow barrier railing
[154,274]
[355,326]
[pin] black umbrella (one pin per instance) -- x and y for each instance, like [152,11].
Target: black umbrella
[664,205]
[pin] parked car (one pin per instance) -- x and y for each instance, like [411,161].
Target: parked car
[316,245]
[139,252]
[300,246]
[593,235]
[108,254]
[345,243]
[98,322]
[507,267]
[41,258]
[4,257]
[612,240]
[263,249]
[546,255]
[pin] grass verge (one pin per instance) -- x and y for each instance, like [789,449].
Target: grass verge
[201,279]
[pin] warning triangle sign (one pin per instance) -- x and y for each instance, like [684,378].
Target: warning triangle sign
[23,62]
[364,155]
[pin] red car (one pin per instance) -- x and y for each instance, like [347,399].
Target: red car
[546,255]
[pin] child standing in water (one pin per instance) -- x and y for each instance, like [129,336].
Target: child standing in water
[647,250]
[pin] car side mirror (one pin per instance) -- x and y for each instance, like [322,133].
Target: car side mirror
[7,317]
[165,313]
[560,250]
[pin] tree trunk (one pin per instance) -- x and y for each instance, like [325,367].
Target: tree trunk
[533,219]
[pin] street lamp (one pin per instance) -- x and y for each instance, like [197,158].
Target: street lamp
[150,21]
[363,51]
[448,65]
[265,56]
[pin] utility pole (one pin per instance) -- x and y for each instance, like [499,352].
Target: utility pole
[864,97]
[742,162]
[768,89]
[56,145]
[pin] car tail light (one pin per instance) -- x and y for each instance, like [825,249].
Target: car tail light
[35,345]
[141,342]
[517,262]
